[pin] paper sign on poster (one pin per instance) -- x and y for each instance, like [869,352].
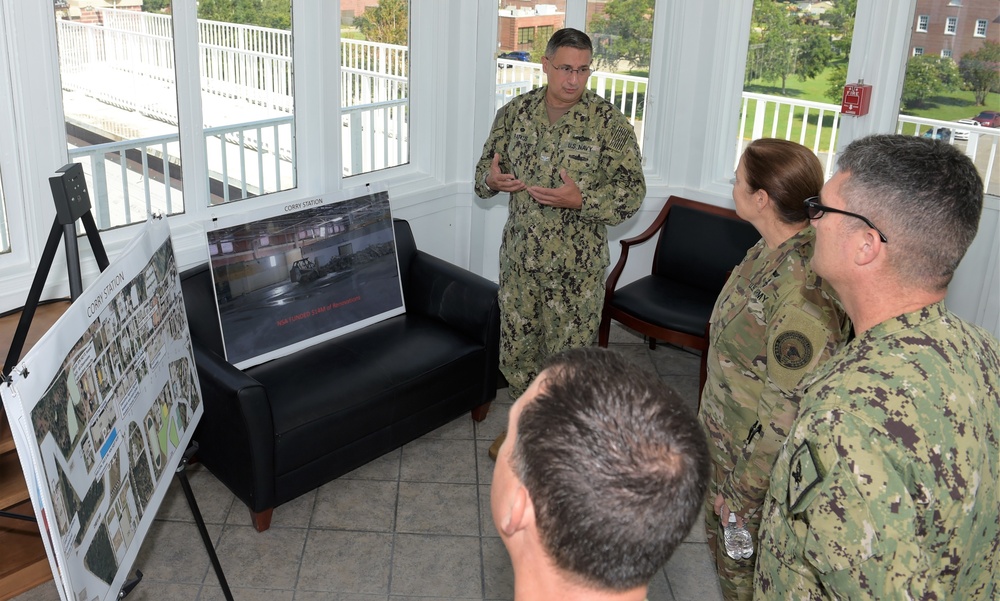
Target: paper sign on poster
[101,410]
[290,276]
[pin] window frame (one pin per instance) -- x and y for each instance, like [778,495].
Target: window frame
[525,35]
[982,26]
[951,26]
[923,22]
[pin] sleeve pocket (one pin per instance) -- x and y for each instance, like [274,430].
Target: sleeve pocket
[842,532]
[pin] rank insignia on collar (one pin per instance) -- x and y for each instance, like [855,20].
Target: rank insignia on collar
[804,474]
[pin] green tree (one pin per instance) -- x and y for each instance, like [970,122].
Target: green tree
[926,76]
[624,32]
[814,52]
[388,23]
[772,55]
[276,14]
[840,19]
[981,70]
[155,6]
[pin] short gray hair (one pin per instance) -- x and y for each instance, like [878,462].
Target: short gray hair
[924,194]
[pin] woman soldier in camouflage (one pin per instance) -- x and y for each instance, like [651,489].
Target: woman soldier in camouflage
[774,321]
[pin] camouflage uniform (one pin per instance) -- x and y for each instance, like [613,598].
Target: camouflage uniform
[888,486]
[552,260]
[775,320]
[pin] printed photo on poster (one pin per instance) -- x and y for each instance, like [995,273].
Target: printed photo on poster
[291,276]
[101,410]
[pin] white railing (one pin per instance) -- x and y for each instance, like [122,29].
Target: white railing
[246,71]
[377,136]
[109,166]
[981,144]
[624,91]
[812,124]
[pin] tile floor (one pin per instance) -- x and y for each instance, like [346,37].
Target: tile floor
[413,524]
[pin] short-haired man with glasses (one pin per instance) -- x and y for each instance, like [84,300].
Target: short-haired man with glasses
[570,161]
[888,485]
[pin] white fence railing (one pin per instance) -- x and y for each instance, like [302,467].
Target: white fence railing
[246,71]
[812,124]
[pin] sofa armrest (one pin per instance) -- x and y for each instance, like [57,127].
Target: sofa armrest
[236,432]
[462,299]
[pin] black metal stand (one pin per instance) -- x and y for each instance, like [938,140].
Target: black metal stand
[69,208]
[72,203]
[209,547]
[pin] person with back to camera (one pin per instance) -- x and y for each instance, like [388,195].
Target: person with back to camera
[888,486]
[774,322]
[571,163]
[601,476]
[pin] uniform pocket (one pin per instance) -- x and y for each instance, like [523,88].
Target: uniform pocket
[841,532]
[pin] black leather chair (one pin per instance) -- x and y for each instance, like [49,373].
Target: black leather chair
[277,430]
[698,246]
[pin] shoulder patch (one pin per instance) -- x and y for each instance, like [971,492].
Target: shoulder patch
[792,349]
[803,475]
[619,138]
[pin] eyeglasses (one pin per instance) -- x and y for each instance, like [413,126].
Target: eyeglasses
[814,210]
[567,70]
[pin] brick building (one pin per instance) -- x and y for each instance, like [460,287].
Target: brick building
[952,28]
[523,22]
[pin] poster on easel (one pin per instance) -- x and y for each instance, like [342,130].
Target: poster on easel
[290,276]
[102,409]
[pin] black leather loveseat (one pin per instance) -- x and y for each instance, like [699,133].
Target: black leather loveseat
[280,429]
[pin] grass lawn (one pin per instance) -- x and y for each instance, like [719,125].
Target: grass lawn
[954,106]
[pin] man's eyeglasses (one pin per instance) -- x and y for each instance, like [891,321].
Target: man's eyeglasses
[567,70]
[814,210]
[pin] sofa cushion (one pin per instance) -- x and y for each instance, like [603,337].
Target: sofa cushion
[409,353]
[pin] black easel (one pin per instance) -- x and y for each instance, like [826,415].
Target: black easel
[69,193]
[182,476]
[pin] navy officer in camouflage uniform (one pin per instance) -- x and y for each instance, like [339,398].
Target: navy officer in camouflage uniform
[571,163]
[888,486]
[774,322]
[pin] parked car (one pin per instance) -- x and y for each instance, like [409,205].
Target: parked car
[516,55]
[938,133]
[988,118]
[963,134]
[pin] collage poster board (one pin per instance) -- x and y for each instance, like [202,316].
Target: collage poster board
[102,409]
[290,276]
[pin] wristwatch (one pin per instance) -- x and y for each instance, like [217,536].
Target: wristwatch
[485,176]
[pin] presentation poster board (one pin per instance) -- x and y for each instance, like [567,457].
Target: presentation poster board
[102,409]
[290,276]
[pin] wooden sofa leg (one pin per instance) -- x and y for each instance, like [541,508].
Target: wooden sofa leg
[479,413]
[261,519]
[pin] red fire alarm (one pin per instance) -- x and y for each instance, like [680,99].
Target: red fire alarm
[856,98]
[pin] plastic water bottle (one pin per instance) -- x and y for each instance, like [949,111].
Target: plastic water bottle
[739,544]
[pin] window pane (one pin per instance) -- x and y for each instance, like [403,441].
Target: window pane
[949,91]
[796,69]
[375,90]
[622,33]
[621,50]
[247,95]
[120,109]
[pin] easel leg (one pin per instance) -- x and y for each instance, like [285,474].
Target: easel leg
[186,485]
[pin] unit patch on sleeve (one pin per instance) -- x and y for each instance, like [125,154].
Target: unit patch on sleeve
[803,475]
[792,349]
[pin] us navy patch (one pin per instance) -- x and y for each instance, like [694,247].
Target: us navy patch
[804,474]
[792,349]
